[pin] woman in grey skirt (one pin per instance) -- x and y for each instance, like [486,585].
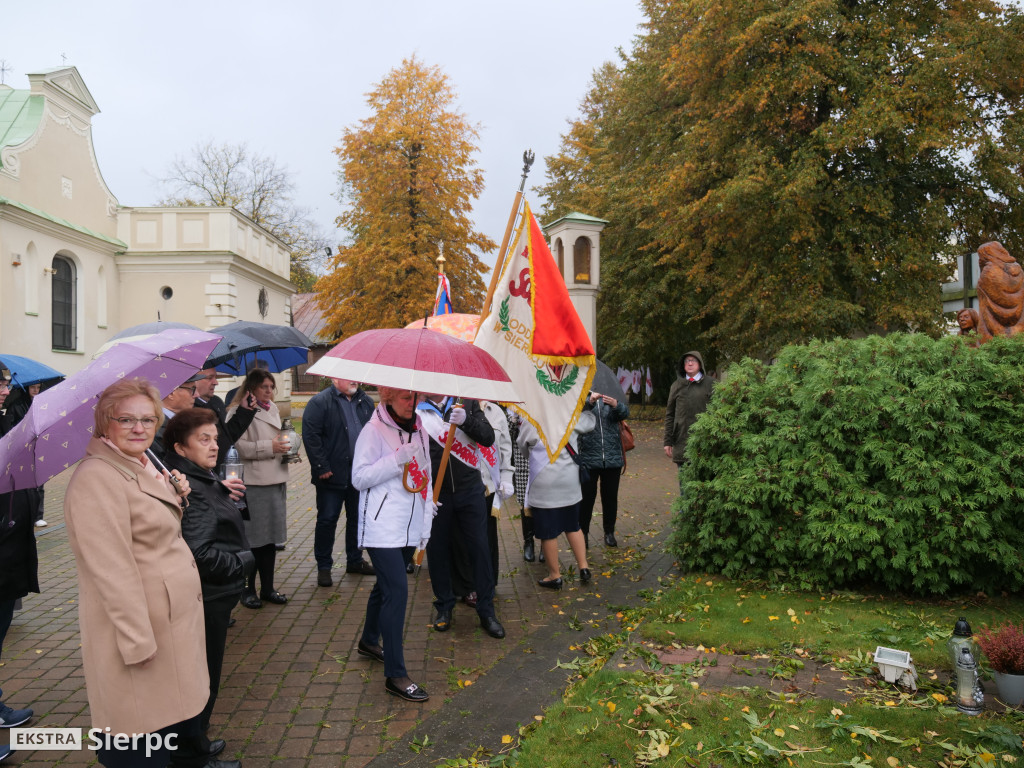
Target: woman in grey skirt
[261,447]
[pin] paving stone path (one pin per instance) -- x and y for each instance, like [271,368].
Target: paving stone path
[295,693]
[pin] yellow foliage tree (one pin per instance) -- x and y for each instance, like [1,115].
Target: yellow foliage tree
[409,178]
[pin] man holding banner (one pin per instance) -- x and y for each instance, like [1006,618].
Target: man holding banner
[460,503]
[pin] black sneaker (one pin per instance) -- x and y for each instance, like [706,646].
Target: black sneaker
[323,578]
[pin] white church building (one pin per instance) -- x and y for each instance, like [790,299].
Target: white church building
[76,266]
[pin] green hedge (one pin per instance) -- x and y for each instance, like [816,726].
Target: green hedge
[893,462]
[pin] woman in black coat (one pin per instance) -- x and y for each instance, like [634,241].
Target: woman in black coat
[18,569]
[212,527]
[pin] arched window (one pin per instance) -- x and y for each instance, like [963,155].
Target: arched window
[63,304]
[560,253]
[581,260]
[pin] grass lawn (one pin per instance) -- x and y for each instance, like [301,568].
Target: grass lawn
[614,717]
[750,618]
[641,719]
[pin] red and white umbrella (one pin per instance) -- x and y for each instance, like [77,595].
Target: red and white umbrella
[420,360]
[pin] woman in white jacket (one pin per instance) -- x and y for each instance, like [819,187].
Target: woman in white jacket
[391,469]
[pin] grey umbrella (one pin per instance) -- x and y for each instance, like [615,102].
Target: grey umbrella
[607,383]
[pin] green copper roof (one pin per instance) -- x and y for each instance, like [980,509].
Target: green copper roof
[20,114]
[63,222]
[578,218]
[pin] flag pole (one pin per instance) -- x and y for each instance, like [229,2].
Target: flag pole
[528,158]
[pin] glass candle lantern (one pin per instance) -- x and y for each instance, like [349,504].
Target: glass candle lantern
[287,431]
[970,698]
[962,637]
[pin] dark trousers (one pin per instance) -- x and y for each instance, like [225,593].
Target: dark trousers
[609,477]
[216,615]
[385,608]
[466,511]
[462,564]
[186,754]
[328,509]
[6,617]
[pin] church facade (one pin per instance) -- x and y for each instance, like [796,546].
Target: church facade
[76,267]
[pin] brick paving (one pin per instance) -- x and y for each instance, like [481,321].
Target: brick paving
[295,693]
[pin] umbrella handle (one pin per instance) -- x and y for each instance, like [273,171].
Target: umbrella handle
[411,488]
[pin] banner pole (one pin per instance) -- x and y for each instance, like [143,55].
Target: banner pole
[528,158]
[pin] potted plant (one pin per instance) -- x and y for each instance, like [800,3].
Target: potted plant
[1004,648]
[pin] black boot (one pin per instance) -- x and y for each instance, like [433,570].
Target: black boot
[529,554]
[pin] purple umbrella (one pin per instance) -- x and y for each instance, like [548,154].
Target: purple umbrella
[54,433]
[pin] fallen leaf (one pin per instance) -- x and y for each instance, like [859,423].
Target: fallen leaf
[939,697]
[773,618]
[687,726]
[746,620]
[837,712]
[790,612]
[611,706]
[779,732]
[892,761]
[506,739]
[663,749]
[795,727]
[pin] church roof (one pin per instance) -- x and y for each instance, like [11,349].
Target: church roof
[62,222]
[308,318]
[20,115]
[576,218]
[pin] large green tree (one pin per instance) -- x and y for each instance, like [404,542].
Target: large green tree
[409,178]
[778,170]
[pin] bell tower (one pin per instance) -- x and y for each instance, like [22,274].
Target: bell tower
[575,242]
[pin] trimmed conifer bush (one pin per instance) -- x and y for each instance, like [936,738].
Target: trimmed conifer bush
[893,462]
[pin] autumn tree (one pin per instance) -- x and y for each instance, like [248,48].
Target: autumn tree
[257,186]
[409,178]
[779,170]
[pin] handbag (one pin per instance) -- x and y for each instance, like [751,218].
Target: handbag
[584,472]
[626,436]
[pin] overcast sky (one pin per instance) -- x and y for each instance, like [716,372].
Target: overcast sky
[286,78]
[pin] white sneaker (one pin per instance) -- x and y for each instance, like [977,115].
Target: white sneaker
[41,523]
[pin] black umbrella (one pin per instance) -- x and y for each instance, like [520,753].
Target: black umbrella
[280,347]
[607,383]
[269,336]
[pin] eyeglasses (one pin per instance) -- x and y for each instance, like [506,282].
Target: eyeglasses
[191,389]
[129,422]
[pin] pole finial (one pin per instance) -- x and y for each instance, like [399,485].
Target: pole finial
[528,158]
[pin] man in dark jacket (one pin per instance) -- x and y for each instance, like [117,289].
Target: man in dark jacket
[228,432]
[460,503]
[687,399]
[331,423]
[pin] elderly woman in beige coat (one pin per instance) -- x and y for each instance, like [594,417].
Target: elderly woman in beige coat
[140,600]
[261,447]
